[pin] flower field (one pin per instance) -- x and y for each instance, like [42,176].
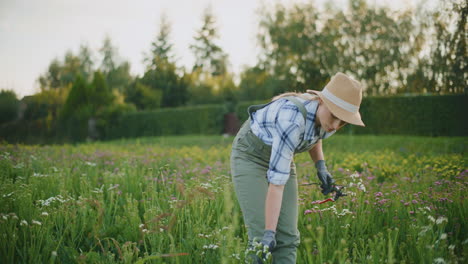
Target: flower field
[171,200]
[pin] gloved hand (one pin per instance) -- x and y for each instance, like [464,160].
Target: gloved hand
[325,177]
[269,239]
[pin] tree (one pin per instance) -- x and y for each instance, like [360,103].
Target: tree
[303,48]
[209,56]
[446,66]
[86,62]
[210,81]
[117,74]
[161,48]
[9,106]
[142,96]
[70,69]
[100,95]
[78,104]
[51,79]
[161,72]
[109,53]
[61,75]
[256,84]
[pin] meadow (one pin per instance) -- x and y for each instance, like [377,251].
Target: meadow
[171,200]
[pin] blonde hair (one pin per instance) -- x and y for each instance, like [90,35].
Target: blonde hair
[308,96]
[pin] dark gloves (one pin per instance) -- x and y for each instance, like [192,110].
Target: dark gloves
[269,239]
[324,177]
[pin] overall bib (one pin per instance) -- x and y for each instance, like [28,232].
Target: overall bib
[250,159]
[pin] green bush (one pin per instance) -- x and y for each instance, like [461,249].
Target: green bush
[404,115]
[9,106]
[205,119]
[27,131]
[441,115]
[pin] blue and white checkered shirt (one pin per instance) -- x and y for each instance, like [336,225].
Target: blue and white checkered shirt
[281,126]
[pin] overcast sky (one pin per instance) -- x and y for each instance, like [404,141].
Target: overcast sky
[33,33]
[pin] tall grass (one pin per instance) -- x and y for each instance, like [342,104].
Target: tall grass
[171,200]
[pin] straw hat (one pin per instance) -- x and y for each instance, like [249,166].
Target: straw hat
[343,96]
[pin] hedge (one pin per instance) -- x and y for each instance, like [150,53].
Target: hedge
[204,119]
[435,115]
[404,115]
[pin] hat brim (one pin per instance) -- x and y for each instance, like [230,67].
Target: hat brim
[348,117]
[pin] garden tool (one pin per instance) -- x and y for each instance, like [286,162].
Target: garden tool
[337,189]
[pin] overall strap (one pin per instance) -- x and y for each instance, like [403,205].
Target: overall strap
[293,99]
[254,108]
[299,105]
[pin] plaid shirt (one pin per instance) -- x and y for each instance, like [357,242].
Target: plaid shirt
[281,125]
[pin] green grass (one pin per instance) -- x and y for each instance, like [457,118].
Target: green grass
[171,200]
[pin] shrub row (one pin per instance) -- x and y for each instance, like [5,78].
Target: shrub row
[204,119]
[403,115]
[444,115]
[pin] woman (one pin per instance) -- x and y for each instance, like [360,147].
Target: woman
[262,166]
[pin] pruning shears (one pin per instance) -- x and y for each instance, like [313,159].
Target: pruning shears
[337,189]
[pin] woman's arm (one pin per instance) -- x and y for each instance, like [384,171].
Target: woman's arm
[316,152]
[273,206]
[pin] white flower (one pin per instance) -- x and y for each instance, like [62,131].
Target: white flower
[6,155]
[34,222]
[58,198]
[441,219]
[90,164]
[45,214]
[38,175]
[206,185]
[145,230]
[443,236]
[54,253]
[431,218]
[19,165]
[211,246]
[343,213]
[424,229]
[98,190]
[23,223]
[439,261]
[141,225]
[113,187]
[5,217]
[361,186]
[8,195]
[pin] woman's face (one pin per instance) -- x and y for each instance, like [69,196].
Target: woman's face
[327,120]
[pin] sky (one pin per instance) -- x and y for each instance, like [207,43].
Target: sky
[33,33]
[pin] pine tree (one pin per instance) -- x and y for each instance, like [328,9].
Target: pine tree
[161,74]
[209,57]
[77,104]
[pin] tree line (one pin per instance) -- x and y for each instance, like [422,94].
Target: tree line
[414,51]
